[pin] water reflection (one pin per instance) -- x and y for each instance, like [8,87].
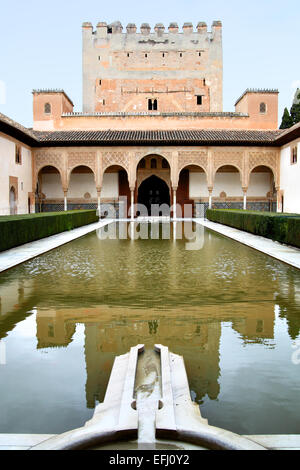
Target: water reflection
[126,292]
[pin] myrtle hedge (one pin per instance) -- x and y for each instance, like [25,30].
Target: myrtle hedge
[281,227]
[16,230]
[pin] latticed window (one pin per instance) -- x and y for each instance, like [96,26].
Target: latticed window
[294,155]
[47,108]
[18,154]
[153,163]
[262,108]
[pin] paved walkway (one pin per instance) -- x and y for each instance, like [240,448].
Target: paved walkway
[285,253]
[18,255]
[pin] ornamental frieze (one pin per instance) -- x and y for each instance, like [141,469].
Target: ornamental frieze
[115,158]
[81,158]
[228,158]
[48,159]
[192,158]
[262,158]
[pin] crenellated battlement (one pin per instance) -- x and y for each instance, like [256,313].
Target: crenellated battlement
[169,69]
[106,30]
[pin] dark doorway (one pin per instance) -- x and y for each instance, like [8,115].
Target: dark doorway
[153,190]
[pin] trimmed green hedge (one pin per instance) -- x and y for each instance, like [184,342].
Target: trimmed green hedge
[284,228]
[16,230]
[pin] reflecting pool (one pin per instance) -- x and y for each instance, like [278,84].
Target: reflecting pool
[231,311]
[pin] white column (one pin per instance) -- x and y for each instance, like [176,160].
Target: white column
[245,200]
[174,204]
[132,205]
[99,202]
[65,201]
[210,199]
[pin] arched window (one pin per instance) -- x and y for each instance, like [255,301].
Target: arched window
[47,108]
[142,163]
[153,163]
[164,163]
[155,105]
[262,108]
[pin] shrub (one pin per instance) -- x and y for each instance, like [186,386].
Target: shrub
[284,228]
[16,230]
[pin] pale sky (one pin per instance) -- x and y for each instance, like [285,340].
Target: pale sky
[41,44]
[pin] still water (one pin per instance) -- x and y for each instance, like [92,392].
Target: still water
[232,312]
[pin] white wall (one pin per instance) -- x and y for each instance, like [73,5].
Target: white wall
[110,185]
[260,184]
[51,186]
[228,182]
[8,167]
[198,185]
[290,178]
[81,183]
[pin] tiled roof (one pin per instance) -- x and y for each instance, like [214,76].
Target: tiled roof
[13,128]
[127,137]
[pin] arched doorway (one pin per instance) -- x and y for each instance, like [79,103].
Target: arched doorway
[153,190]
[12,201]
[49,191]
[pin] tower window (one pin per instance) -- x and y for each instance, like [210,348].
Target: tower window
[262,108]
[47,108]
[100,82]
[199,53]
[128,54]
[146,55]
[99,57]
[199,99]
[163,54]
[180,55]
[203,81]
[152,105]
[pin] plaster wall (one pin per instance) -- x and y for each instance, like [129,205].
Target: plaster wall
[230,183]
[9,168]
[110,187]
[290,178]
[260,184]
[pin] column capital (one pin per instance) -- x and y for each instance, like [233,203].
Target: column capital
[245,189]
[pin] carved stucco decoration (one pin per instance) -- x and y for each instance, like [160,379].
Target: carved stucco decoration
[81,158]
[116,158]
[193,158]
[264,158]
[43,159]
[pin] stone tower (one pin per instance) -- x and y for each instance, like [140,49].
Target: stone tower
[170,72]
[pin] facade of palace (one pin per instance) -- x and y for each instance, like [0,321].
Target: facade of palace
[152,130]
